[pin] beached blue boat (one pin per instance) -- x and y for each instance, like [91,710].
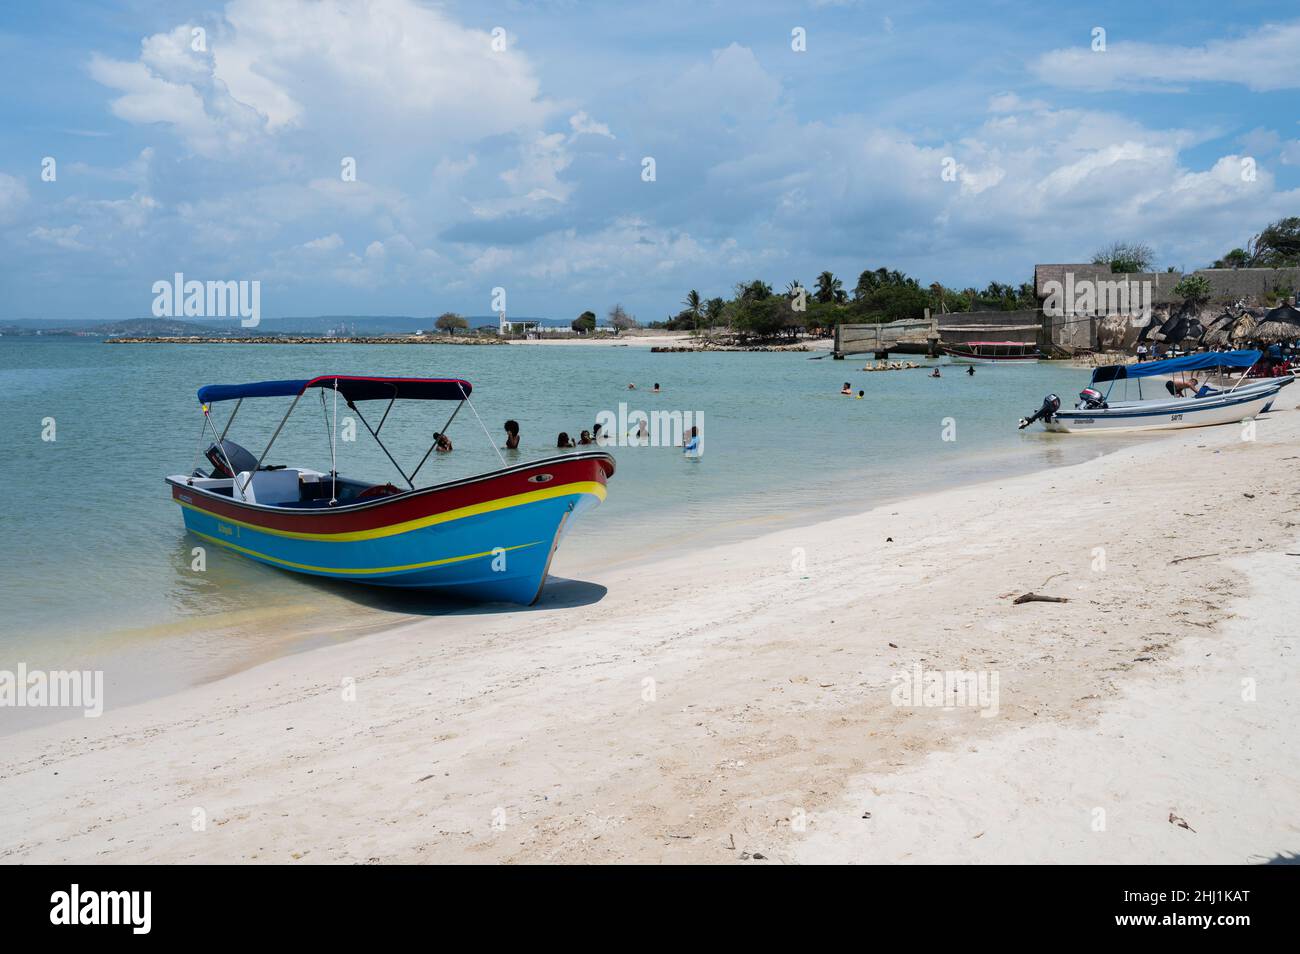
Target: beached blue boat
[488,537]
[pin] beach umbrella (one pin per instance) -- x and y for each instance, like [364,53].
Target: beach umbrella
[1280,324]
[1243,329]
[1217,330]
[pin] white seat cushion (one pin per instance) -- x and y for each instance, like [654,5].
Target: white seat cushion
[270,487]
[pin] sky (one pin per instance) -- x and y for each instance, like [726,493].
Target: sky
[398,157]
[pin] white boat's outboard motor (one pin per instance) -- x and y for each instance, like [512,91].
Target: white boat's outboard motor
[1051,404]
[228,454]
[1090,399]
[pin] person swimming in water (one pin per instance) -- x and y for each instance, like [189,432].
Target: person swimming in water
[585,438]
[847,389]
[971,371]
[442,443]
[564,440]
[512,435]
[935,373]
[861,395]
[631,387]
[655,389]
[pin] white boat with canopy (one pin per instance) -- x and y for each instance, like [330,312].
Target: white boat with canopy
[1160,395]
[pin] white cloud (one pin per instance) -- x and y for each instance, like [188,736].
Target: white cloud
[1265,59]
[584,125]
[13,195]
[326,243]
[64,238]
[341,69]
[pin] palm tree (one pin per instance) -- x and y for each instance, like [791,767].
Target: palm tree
[829,288]
[694,304]
[713,310]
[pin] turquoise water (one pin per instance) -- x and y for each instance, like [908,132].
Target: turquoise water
[97,567]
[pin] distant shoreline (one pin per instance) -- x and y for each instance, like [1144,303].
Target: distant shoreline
[665,342]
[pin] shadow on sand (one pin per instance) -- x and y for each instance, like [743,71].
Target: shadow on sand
[558,593]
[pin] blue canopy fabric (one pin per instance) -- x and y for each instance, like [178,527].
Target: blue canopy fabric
[211,393]
[1191,362]
[352,388]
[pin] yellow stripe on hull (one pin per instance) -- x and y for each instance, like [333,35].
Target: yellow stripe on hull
[594,487]
[363,570]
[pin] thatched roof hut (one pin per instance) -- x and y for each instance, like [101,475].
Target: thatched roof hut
[1244,329]
[1280,324]
[1218,329]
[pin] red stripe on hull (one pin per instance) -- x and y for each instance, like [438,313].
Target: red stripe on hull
[410,506]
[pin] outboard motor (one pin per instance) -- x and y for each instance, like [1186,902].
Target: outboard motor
[1051,404]
[239,457]
[1090,399]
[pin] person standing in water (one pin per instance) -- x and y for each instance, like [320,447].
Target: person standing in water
[861,395]
[512,435]
[935,373]
[971,371]
[655,389]
[847,389]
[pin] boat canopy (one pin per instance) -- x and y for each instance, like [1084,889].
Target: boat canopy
[1191,362]
[351,387]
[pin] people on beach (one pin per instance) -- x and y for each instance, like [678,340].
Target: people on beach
[847,389]
[564,440]
[512,435]
[442,443]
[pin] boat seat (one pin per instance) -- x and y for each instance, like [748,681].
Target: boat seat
[270,487]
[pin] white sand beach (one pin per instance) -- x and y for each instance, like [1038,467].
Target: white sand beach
[734,704]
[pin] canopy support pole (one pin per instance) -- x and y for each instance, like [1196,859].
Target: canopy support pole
[231,420]
[482,425]
[220,447]
[391,401]
[435,439]
[353,406]
[283,420]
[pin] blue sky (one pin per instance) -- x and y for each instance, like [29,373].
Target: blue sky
[522,168]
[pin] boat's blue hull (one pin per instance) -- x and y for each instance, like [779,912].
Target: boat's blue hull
[491,548]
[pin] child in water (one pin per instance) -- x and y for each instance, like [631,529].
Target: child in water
[847,389]
[512,435]
[861,395]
